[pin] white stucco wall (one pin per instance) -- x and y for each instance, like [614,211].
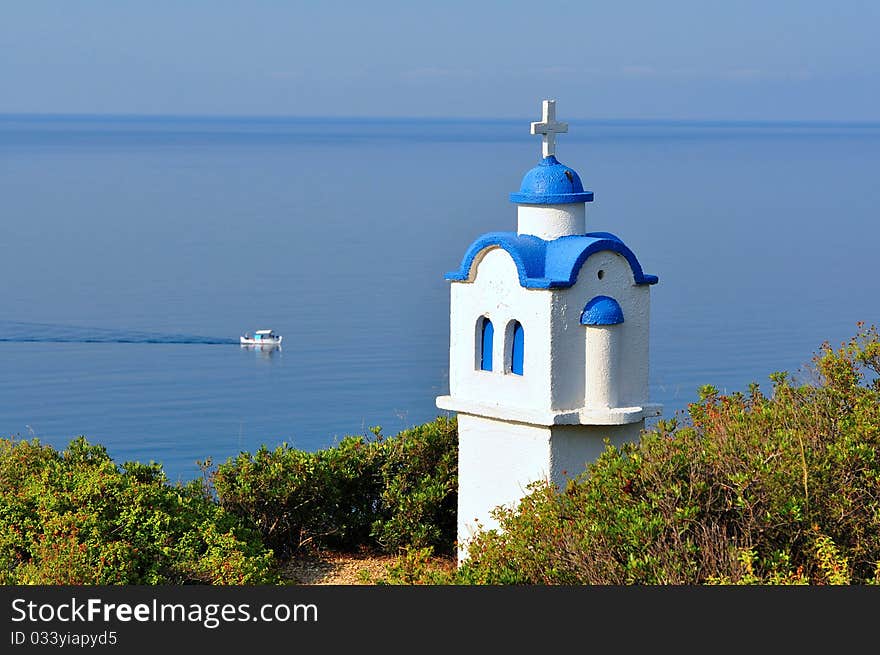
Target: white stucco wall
[497,294]
[569,337]
[496,462]
[551,221]
[560,385]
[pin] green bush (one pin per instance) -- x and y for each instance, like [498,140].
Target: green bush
[379,493]
[296,498]
[750,490]
[420,488]
[74,517]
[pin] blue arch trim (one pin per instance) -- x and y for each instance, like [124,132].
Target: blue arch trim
[516,360]
[487,334]
[602,310]
[549,264]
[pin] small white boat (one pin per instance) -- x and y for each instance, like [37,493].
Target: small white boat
[262,338]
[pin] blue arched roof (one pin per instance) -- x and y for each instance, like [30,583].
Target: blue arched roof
[549,264]
[602,310]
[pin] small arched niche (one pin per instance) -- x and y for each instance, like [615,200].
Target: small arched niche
[514,350]
[484,336]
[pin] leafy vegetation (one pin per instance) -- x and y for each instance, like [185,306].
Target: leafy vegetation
[382,493]
[74,517]
[418,504]
[296,498]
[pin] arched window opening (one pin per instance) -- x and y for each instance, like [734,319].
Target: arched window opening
[487,334]
[516,360]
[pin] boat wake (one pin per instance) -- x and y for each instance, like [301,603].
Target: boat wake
[21,332]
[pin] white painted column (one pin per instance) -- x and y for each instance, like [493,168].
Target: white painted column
[550,222]
[602,366]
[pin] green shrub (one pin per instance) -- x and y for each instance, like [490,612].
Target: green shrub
[750,490]
[296,498]
[74,517]
[379,493]
[420,488]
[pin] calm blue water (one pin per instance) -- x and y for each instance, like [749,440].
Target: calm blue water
[134,252]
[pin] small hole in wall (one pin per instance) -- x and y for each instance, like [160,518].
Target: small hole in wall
[600,274]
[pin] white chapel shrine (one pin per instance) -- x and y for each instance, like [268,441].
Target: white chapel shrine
[549,332]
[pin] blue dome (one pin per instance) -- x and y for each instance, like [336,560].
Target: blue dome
[551,183]
[602,310]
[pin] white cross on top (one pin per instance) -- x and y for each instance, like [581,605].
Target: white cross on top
[548,127]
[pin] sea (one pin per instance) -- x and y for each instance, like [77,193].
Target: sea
[134,251]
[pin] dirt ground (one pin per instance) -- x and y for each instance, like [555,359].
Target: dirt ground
[329,568]
[332,568]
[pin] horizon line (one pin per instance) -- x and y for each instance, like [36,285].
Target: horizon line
[713,122]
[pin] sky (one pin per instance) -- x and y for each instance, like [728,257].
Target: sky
[708,59]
